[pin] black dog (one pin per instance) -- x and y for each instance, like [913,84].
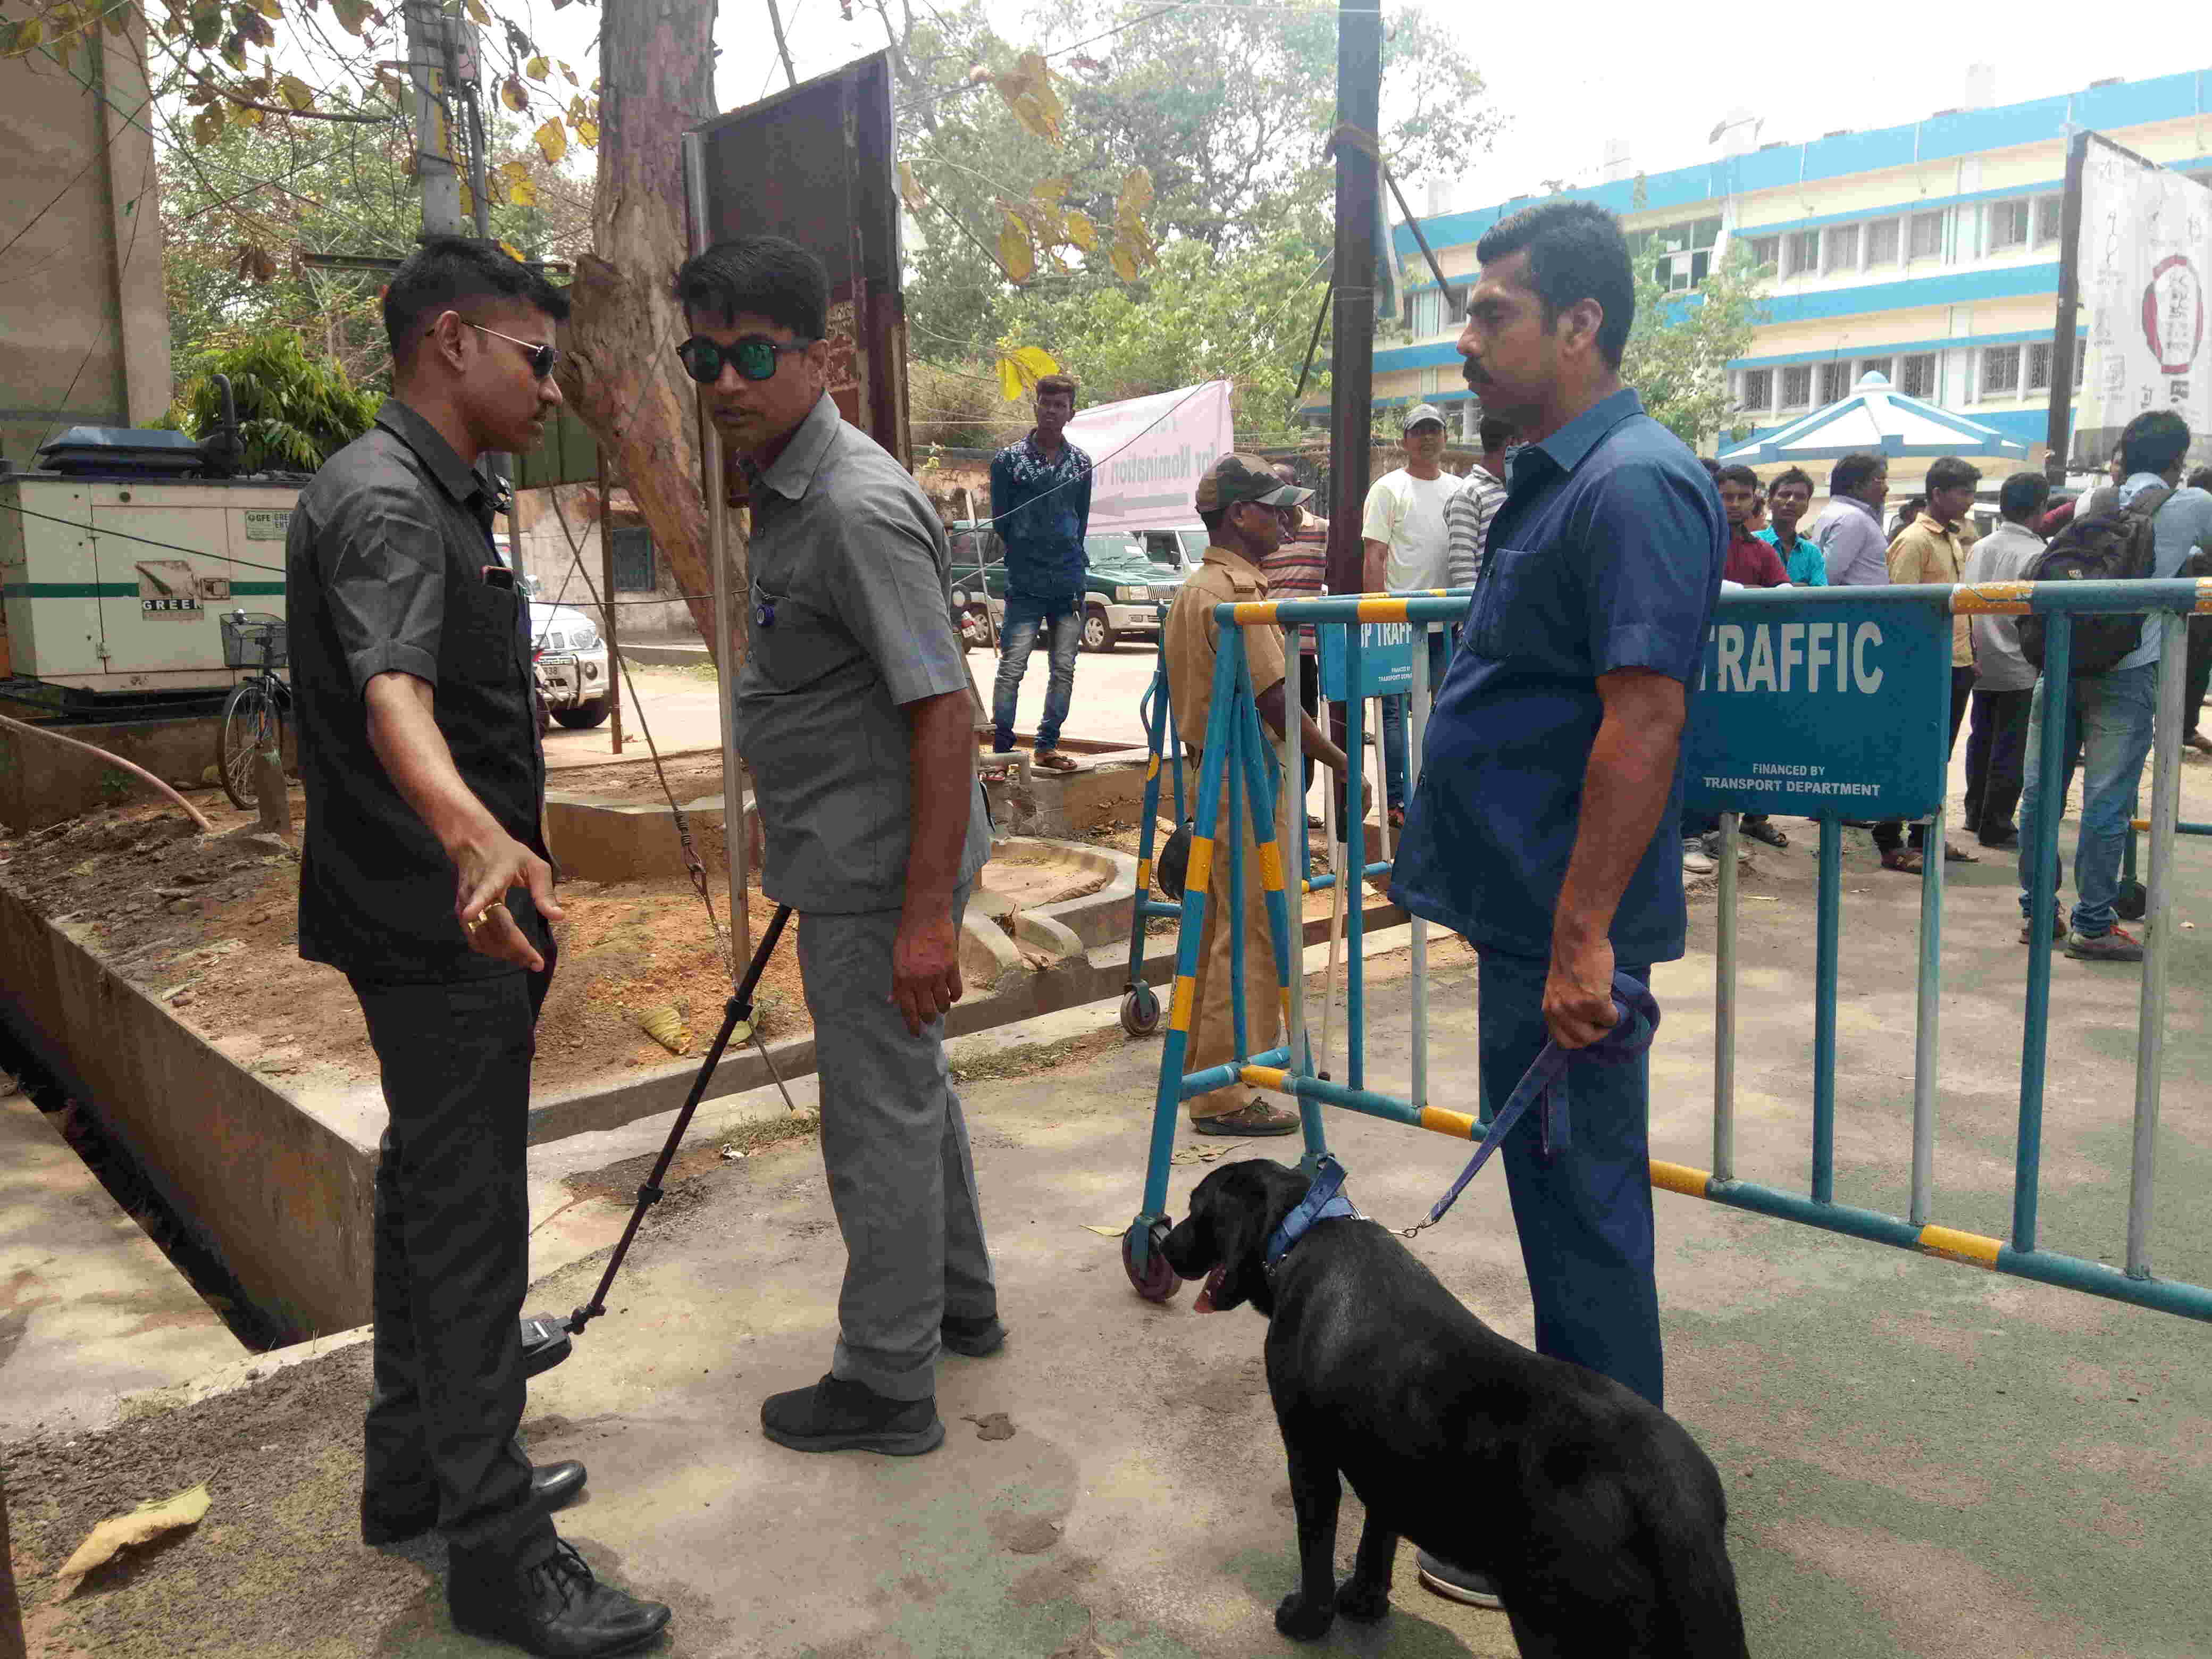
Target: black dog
[1594,1512]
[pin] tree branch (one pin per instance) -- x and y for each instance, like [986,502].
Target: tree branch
[775,23]
[229,97]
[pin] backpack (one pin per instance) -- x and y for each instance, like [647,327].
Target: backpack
[2102,547]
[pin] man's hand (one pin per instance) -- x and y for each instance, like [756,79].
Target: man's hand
[926,966]
[484,872]
[1578,991]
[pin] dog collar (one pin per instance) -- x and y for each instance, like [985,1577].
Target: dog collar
[1324,1200]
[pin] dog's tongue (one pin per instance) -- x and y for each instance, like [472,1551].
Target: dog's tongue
[1205,1301]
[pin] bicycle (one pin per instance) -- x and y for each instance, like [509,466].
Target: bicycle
[253,713]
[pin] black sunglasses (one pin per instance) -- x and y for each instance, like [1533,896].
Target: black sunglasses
[542,357]
[753,357]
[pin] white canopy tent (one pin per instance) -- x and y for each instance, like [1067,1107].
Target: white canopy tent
[1874,420]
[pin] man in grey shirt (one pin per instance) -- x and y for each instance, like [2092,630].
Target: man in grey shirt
[2004,679]
[1852,544]
[853,714]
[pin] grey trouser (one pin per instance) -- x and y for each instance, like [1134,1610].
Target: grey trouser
[896,1150]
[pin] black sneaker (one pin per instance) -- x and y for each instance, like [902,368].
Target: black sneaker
[2113,944]
[837,1415]
[552,1606]
[974,1338]
[1456,1584]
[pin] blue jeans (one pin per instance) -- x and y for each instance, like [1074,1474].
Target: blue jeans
[1584,1213]
[1026,618]
[1396,715]
[2108,730]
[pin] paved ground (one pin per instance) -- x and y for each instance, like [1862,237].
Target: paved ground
[1921,1459]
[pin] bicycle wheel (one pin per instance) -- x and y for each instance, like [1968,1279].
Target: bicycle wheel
[249,724]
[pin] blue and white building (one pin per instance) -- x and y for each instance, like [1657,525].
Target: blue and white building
[1929,253]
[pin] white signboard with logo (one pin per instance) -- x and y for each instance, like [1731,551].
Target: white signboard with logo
[2145,259]
[1148,455]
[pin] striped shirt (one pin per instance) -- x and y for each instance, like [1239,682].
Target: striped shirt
[1467,526]
[1298,569]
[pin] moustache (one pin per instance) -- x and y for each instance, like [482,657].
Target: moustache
[1473,376]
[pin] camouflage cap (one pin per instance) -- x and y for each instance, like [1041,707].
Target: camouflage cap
[1235,479]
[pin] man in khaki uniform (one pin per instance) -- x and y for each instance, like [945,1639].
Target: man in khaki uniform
[1247,511]
[1933,549]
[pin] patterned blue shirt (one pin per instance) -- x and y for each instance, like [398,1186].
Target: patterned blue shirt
[1041,510]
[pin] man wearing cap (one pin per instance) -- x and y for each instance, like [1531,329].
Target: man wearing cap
[1247,511]
[1408,551]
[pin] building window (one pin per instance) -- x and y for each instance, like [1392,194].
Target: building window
[1927,237]
[1800,253]
[1885,367]
[1766,253]
[2009,225]
[1919,375]
[1842,251]
[1797,386]
[1428,312]
[2001,371]
[2039,366]
[633,560]
[2048,212]
[1758,390]
[1681,254]
[1835,382]
[1881,242]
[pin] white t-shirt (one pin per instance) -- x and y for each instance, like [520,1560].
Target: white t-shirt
[1406,514]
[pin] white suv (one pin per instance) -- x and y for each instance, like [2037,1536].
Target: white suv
[571,665]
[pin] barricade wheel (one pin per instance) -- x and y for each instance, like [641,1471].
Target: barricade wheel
[2132,901]
[1155,1281]
[1140,1011]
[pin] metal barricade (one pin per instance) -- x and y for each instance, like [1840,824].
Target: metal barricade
[1233,776]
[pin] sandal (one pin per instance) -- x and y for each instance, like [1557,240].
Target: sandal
[1255,1117]
[1958,855]
[1903,861]
[1764,830]
[1052,761]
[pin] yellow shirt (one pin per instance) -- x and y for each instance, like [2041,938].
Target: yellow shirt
[1929,550]
[1190,638]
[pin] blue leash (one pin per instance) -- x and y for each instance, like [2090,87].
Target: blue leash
[1545,1084]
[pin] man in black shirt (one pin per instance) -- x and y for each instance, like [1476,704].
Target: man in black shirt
[424,877]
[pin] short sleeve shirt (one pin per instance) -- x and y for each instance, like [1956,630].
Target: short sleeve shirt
[1191,639]
[1607,555]
[386,570]
[849,620]
[1406,514]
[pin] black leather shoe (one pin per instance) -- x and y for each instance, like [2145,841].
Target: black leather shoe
[552,1606]
[838,1415]
[973,1338]
[551,1485]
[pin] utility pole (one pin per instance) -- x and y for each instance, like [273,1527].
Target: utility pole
[1358,167]
[428,41]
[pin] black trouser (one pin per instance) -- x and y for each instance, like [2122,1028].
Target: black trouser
[452,1255]
[1996,747]
[1308,700]
[1889,833]
[2200,672]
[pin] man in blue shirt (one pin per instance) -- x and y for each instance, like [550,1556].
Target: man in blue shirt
[2108,715]
[1545,826]
[1041,507]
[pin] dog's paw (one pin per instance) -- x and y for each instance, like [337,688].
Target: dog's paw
[1302,1620]
[1364,1602]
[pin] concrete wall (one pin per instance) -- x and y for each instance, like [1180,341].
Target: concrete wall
[280,1186]
[43,782]
[87,338]
[561,547]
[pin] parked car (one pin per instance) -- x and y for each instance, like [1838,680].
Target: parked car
[570,661]
[1124,585]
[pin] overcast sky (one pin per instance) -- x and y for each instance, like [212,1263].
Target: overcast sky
[1564,91]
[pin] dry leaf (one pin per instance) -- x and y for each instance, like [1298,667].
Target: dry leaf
[522,192]
[665,1027]
[207,125]
[512,94]
[1125,263]
[910,190]
[1016,254]
[352,14]
[995,1426]
[537,69]
[142,1525]
[1027,88]
[570,73]
[297,92]
[1104,1232]
[513,253]
[477,14]
[587,132]
[1080,230]
[552,140]
[1136,195]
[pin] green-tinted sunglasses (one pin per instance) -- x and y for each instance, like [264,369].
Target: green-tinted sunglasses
[753,357]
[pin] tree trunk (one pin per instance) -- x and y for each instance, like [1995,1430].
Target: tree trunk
[620,375]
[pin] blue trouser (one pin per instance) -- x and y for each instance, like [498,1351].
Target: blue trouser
[2108,732]
[1584,1213]
[1396,716]
[1026,618]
